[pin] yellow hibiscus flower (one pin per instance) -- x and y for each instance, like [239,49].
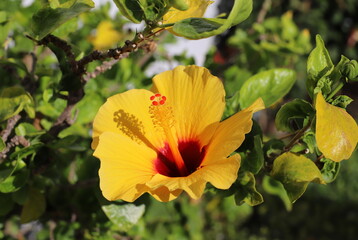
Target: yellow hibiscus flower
[106,36]
[196,9]
[169,139]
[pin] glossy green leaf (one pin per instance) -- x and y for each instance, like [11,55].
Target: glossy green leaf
[270,85]
[245,9]
[34,206]
[295,172]
[254,161]
[329,170]
[319,65]
[124,216]
[130,9]
[47,19]
[246,192]
[274,187]
[197,28]
[273,148]
[290,115]
[13,100]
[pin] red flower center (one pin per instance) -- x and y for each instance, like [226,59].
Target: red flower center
[191,152]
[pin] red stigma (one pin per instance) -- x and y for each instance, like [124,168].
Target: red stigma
[158,99]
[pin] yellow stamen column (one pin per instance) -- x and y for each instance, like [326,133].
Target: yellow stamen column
[163,119]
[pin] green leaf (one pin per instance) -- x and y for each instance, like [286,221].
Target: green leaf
[329,170]
[342,101]
[274,187]
[273,148]
[197,28]
[319,65]
[130,9]
[297,111]
[270,85]
[181,5]
[47,19]
[232,105]
[244,11]
[350,70]
[27,129]
[295,172]
[3,17]
[255,159]
[13,100]
[310,140]
[124,216]
[6,204]
[2,144]
[26,151]
[246,192]
[14,182]
[34,206]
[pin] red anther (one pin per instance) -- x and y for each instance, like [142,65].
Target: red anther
[152,98]
[158,95]
[155,103]
[162,102]
[164,98]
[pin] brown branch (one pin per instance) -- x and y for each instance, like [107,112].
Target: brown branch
[79,68]
[101,69]
[14,141]
[11,122]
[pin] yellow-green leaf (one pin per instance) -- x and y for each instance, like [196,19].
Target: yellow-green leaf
[14,100]
[34,206]
[295,172]
[336,131]
[247,192]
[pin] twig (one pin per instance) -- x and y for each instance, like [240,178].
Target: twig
[297,137]
[15,141]
[265,8]
[79,68]
[11,122]
[100,69]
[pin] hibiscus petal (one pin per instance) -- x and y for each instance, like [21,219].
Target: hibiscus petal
[164,195]
[197,98]
[193,184]
[222,174]
[125,166]
[128,114]
[230,134]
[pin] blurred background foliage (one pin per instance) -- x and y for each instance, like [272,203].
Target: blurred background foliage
[61,188]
